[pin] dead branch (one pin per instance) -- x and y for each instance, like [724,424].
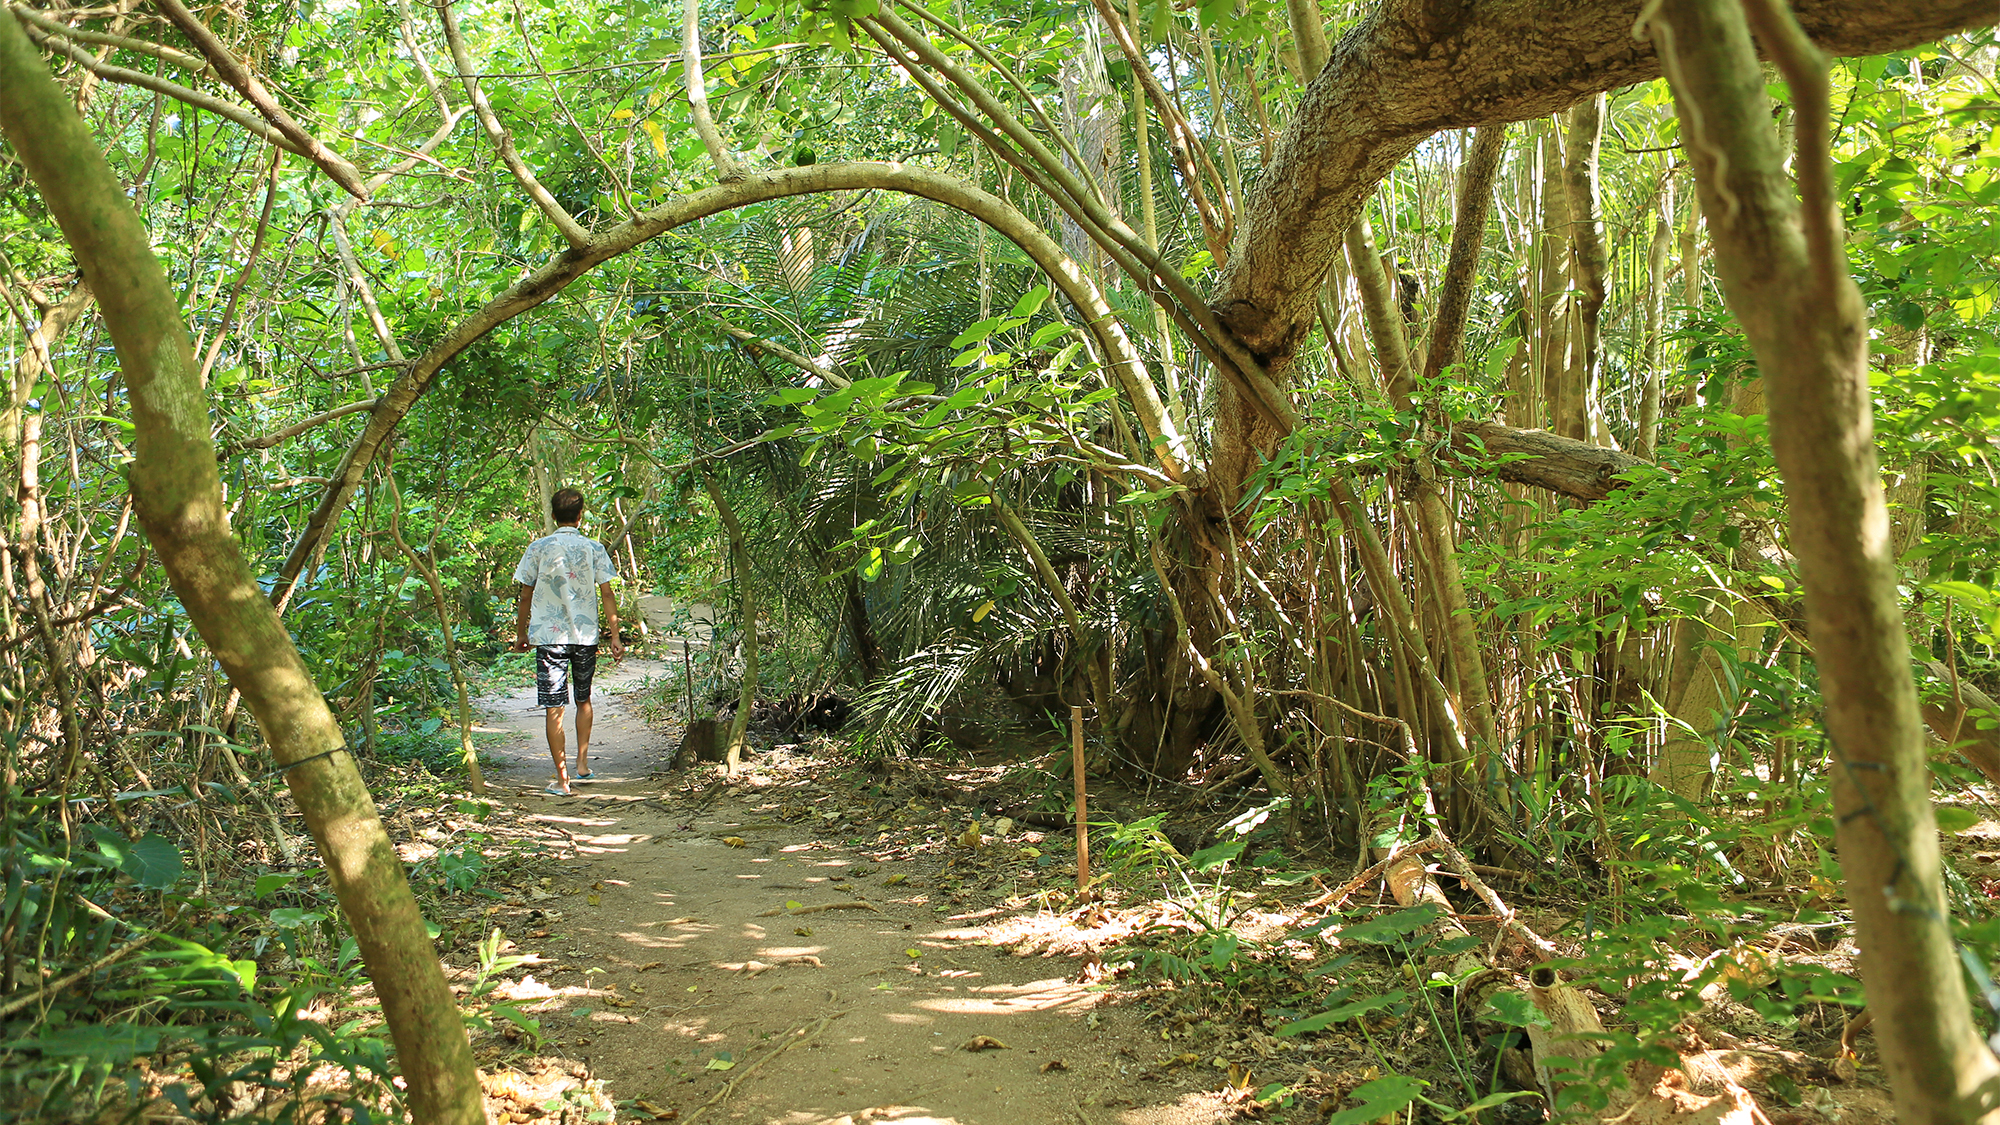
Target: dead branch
[1543,949]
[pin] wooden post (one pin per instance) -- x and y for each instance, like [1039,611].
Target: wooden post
[1082,818]
[687,669]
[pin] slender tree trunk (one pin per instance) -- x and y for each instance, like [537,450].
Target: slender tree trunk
[746,599]
[177,493]
[1433,518]
[1149,214]
[1551,284]
[1589,266]
[1784,272]
[1647,441]
[426,565]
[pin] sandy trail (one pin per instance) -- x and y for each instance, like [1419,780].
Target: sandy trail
[665,959]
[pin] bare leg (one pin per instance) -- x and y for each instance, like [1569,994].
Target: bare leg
[555,729]
[584,714]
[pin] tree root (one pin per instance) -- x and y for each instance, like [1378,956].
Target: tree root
[857,904]
[799,1037]
[1541,947]
[1334,898]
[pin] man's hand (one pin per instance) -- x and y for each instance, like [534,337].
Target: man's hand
[617,647]
[520,645]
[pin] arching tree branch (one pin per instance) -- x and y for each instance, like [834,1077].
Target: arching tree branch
[561,270]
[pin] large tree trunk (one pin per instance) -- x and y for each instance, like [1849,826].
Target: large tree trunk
[1412,68]
[177,493]
[1784,272]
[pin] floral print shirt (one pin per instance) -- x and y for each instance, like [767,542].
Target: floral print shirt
[565,570]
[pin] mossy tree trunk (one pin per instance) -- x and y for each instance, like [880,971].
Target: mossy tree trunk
[1785,274]
[177,492]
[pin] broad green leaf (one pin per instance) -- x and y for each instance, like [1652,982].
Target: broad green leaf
[1952,818]
[1030,302]
[1342,1014]
[1379,1099]
[1210,858]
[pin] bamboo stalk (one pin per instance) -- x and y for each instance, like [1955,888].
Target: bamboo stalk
[1082,821]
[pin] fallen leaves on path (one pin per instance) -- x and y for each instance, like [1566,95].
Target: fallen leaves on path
[983,1043]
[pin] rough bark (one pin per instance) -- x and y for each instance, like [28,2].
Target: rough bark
[1784,272]
[1468,235]
[177,493]
[1559,464]
[1414,67]
[1955,721]
[1583,408]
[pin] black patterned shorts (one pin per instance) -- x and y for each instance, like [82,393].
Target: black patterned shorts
[558,668]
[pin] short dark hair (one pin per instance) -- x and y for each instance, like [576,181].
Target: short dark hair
[566,505]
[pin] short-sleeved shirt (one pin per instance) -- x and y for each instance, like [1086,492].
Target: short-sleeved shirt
[565,570]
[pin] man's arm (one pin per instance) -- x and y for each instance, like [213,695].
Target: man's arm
[524,596]
[609,620]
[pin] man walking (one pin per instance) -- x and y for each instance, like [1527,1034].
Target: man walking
[555,612]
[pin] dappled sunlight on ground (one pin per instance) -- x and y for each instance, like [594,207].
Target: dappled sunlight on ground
[882,1115]
[1016,999]
[732,941]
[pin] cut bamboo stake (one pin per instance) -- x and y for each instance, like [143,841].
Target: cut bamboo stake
[1082,823]
[687,671]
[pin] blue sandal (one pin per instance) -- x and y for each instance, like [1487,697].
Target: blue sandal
[555,790]
[587,775]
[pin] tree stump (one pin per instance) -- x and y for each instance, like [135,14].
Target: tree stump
[698,744]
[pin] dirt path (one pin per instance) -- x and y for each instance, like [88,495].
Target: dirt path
[663,956]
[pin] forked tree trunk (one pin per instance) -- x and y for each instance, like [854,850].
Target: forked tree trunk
[1784,271]
[177,492]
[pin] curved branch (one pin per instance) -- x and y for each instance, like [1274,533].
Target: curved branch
[287,433]
[250,121]
[1134,254]
[172,55]
[232,71]
[564,268]
[503,142]
[177,495]
[1412,68]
